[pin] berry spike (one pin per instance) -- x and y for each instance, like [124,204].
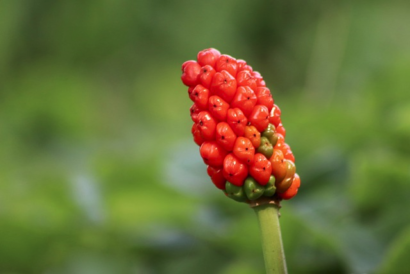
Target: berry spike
[239,130]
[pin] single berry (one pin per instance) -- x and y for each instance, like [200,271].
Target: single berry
[207,125]
[194,110]
[292,190]
[253,135]
[206,75]
[278,165]
[234,170]
[224,85]
[201,95]
[280,129]
[217,177]
[225,136]
[212,154]
[237,121]
[244,150]
[235,192]
[252,189]
[270,188]
[274,116]
[244,99]
[260,169]
[242,65]
[208,57]
[285,183]
[196,133]
[265,147]
[228,63]
[245,78]
[264,97]
[218,107]
[190,72]
[259,117]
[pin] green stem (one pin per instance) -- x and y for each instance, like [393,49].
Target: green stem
[268,216]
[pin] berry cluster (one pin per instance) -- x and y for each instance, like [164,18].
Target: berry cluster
[238,128]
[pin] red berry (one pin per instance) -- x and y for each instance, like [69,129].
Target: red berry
[292,190]
[207,125]
[228,63]
[244,150]
[201,95]
[212,154]
[234,170]
[242,65]
[206,75]
[218,107]
[280,129]
[274,116]
[245,78]
[194,110]
[264,97]
[208,57]
[224,85]
[287,152]
[260,169]
[245,99]
[237,121]
[259,117]
[225,136]
[197,135]
[259,80]
[190,72]
[217,177]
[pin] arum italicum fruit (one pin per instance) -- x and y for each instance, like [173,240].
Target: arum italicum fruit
[238,127]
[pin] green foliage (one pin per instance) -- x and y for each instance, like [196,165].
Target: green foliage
[98,172]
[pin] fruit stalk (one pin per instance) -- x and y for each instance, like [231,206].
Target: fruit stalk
[273,253]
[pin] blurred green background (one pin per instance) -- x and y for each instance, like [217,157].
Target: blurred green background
[98,170]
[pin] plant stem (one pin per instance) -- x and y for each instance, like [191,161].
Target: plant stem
[268,216]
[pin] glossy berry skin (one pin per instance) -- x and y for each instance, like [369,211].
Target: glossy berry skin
[292,190]
[194,110]
[274,115]
[265,147]
[206,75]
[259,79]
[200,96]
[234,170]
[208,57]
[212,154]
[245,78]
[260,169]
[196,133]
[228,63]
[253,135]
[287,153]
[264,97]
[278,164]
[280,129]
[259,117]
[244,150]
[225,136]
[190,72]
[206,125]
[224,85]
[242,65]
[237,121]
[217,177]
[218,107]
[285,183]
[244,99]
